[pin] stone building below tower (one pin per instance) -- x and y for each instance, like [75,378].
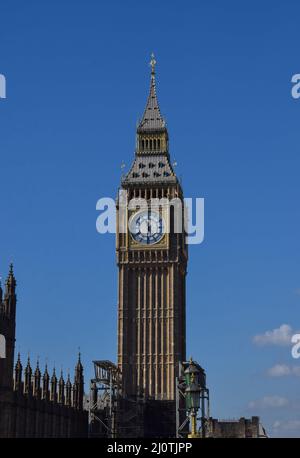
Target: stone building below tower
[33,404]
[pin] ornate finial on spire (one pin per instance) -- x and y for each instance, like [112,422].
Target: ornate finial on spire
[152,63]
[79,356]
[11,281]
[61,379]
[37,369]
[78,367]
[152,118]
[18,363]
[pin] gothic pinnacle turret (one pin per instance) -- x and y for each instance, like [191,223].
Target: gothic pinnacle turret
[18,374]
[8,329]
[53,387]
[46,379]
[78,385]
[78,368]
[28,377]
[68,392]
[37,381]
[61,389]
[11,281]
[9,303]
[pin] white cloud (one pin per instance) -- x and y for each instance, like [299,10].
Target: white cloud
[296,370]
[288,425]
[279,336]
[268,402]
[280,370]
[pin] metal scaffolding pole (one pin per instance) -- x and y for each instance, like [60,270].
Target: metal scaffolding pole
[104,394]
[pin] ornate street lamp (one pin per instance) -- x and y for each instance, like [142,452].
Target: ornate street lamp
[192,395]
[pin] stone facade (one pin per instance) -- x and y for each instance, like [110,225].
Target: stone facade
[242,428]
[152,278]
[32,405]
[152,272]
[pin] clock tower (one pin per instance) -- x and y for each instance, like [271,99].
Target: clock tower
[152,262]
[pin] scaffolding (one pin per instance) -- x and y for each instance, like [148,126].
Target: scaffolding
[112,415]
[105,390]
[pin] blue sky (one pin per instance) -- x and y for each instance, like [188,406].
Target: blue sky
[77,80]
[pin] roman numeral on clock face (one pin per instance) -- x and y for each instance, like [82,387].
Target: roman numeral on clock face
[146,227]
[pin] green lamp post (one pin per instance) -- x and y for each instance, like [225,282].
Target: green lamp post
[192,396]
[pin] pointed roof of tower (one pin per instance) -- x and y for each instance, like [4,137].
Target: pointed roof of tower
[18,365]
[11,281]
[37,371]
[61,379]
[53,378]
[151,165]
[152,118]
[46,373]
[79,367]
[28,369]
[68,382]
[146,169]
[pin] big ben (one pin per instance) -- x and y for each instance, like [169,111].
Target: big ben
[152,263]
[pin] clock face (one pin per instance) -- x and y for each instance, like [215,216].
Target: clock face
[146,227]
